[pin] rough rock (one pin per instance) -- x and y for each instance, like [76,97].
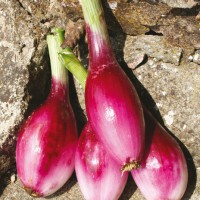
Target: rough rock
[180,3]
[153,46]
[5,163]
[196,57]
[15,54]
[181,31]
[179,26]
[137,18]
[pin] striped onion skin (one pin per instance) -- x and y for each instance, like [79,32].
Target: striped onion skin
[47,140]
[163,173]
[112,103]
[99,175]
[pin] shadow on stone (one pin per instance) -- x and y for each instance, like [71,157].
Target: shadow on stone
[129,189]
[185,11]
[143,93]
[3,183]
[192,175]
[78,111]
[5,179]
[38,88]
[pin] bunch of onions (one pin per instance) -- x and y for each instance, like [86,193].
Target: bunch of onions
[48,138]
[163,172]
[97,172]
[115,113]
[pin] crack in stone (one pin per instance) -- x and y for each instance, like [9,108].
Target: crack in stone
[24,8]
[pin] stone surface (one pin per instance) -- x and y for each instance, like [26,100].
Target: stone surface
[153,46]
[179,26]
[180,3]
[196,57]
[137,18]
[16,51]
[163,56]
[181,31]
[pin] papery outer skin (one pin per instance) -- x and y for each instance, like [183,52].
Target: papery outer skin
[46,144]
[163,174]
[98,174]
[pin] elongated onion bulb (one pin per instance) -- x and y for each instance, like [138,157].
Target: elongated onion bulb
[163,173]
[112,104]
[98,174]
[47,140]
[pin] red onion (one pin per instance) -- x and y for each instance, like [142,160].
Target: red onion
[112,104]
[47,140]
[163,173]
[98,174]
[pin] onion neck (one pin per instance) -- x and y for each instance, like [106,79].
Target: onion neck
[97,34]
[59,82]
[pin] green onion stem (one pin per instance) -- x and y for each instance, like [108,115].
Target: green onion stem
[94,17]
[54,41]
[72,63]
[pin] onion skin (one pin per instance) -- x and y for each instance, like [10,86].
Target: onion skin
[47,140]
[46,146]
[98,174]
[115,113]
[163,173]
[112,104]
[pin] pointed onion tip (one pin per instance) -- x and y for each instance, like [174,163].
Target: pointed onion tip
[31,192]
